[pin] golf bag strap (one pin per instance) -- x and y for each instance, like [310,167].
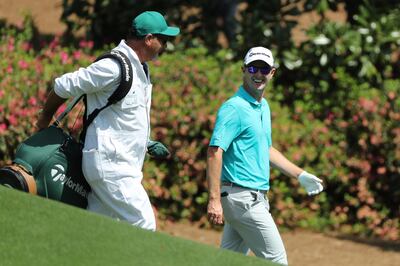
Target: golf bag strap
[69,107]
[122,90]
[30,181]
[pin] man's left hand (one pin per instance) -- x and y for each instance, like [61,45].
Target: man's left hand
[311,183]
[157,150]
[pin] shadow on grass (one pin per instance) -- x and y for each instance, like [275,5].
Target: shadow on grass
[385,245]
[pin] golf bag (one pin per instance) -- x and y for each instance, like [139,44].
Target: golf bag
[49,163]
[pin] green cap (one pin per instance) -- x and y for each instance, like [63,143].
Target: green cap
[154,23]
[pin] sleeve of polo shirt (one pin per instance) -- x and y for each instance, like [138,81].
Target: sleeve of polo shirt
[96,77]
[227,127]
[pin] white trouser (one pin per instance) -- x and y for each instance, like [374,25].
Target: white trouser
[115,195]
[249,225]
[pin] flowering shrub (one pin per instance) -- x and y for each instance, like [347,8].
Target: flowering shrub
[26,74]
[347,77]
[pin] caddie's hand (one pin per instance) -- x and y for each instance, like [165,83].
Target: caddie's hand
[43,121]
[157,150]
[214,212]
[311,183]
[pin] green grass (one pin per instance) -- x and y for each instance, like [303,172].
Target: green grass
[38,231]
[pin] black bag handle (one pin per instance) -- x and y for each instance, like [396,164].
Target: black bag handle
[69,107]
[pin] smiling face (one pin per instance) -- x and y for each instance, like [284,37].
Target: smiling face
[256,76]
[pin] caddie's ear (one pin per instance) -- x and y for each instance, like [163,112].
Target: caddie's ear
[148,39]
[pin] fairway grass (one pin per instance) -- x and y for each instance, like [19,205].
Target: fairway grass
[38,231]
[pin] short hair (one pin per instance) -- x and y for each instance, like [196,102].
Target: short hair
[133,34]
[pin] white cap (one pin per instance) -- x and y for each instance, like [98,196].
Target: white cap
[259,53]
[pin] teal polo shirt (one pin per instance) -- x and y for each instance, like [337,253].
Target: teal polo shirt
[243,131]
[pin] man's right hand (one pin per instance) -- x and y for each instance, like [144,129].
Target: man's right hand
[43,121]
[214,212]
[49,109]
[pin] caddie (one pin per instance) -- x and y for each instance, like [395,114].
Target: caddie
[238,165]
[116,141]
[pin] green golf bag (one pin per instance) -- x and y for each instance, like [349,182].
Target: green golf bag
[52,158]
[49,163]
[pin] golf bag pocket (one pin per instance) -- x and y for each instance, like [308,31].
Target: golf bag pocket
[53,159]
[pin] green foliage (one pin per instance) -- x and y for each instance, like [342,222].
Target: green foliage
[213,24]
[346,77]
[340,62]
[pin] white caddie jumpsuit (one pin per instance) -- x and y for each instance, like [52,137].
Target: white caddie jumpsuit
[116,141]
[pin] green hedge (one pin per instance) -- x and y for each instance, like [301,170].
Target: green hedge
[342,126]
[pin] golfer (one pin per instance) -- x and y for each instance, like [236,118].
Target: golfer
[117,140]
[238,165]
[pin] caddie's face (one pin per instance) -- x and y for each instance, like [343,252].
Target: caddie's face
[256,75]
[157,44]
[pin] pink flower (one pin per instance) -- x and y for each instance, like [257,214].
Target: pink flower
[3,127]
[82,44]
[330,116]
[10,69]
[61,109]
[2,93]
[54,43]
[77,55]
[13,120]
[38,67]
[23,64]
[11,45]
[368,105]
[381,170]
[32,100]
[23,112]
[26,46]
[90,44]
[64,57]
[86,44]
[324,130]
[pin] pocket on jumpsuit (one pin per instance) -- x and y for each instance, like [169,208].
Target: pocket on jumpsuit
[100,173]
[91,166]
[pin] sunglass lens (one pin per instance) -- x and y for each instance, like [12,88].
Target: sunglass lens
[265,70]
[252,69]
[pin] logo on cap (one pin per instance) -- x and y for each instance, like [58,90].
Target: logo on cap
[251,54]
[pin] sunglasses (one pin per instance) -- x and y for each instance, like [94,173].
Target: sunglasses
[263,70]
[162,38]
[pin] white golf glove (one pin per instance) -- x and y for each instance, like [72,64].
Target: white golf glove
[311,183]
